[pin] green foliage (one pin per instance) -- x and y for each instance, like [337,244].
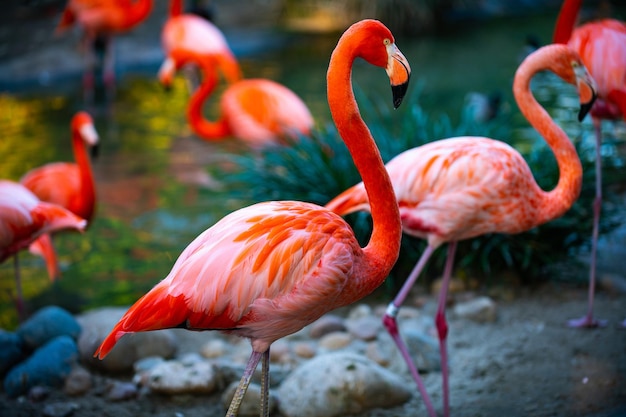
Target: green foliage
[317,169]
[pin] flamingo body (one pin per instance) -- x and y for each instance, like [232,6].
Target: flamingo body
[602,47]
[463,187]
[267,270]
[69,185]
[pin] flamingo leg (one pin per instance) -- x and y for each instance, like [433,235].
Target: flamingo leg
[588,320]
[265,384]
[390,323]
[235,403]
[442,326]
[89,58]
[108,68]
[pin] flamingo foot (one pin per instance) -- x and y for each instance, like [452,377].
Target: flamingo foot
[587,322]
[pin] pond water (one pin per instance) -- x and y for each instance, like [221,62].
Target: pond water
[153,197]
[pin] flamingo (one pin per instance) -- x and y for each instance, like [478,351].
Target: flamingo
[267,270]
[23,217]
[67,184]
[602,46]
[198,36]
[463,187]
[258,111]
[100,20]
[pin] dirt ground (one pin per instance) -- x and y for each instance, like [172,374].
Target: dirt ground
[527,363]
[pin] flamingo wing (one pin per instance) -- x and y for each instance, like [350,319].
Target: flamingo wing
[261,272]
[58,183]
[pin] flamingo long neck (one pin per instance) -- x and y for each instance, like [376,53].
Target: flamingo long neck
[566,21]
[554,203]
[201,125]
[381,251]
[176,7]
[137,12]
[87,184]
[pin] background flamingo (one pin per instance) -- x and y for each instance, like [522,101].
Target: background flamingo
[258,111]
[602,47]
[22,219]
[100,20]
[463,187]
[66,184]
[195,35]
[267,270]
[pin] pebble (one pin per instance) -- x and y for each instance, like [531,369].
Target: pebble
[335,340]
[121,391]
[49,365]
[364,328]
[251,403]
[479,309]
[174,377]
[326,324]
[214,348]
[78,382]
[340,383]
[46,324]
[60,409]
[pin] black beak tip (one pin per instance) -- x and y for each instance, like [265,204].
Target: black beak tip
[586,108]
[398,92]
[95,151]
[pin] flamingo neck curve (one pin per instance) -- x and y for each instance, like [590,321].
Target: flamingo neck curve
[87,184]
[554,203]
[203,127]
[381,252]
[566,21]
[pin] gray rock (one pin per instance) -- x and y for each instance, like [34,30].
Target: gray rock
[326,324]
[364,328]
[60,409]
[480,310]
[251,403]
[337,384]
[424,350]
[174,377]
[130,348]
[78,382]
[49,366]
[11,350]
[121,391]
[46,324]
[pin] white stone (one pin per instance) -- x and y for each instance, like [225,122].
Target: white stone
[174,377]
[480,310]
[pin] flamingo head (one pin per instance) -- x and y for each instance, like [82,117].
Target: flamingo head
[83,126]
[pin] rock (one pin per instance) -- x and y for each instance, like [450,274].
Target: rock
[305,350]
[423,348]
[340,383]
[78,382]
[121,391]
[174,377]
[364,328]
[46,324]
[251,403]
[480,309]
[11,350]
[214,348]
[335,340]
[49,365]
[96,326]
[326,324]
[359,311]
[612,283]
[60,409]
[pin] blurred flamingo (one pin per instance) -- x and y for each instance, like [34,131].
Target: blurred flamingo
[267,270]
[258,111]
[67,184]
[22,219]
[195,35]
[602,46]
[460,188]
[100,20]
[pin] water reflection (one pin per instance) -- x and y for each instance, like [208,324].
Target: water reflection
[154,192]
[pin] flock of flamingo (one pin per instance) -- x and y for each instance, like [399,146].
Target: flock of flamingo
[267,270]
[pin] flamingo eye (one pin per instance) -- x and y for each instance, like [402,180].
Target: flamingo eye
[386,41]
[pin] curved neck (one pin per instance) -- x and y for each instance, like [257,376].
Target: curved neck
[554,203]
[566,21]
[176,7]
[382,250]
[87,184]
[201,125]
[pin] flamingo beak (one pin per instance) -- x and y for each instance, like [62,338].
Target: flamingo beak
[587,90]
[90,135]
[399,72]
[166,73]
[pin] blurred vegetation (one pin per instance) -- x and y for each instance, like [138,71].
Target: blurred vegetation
[318,168]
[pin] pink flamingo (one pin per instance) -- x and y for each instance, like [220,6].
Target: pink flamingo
[100,20]
[602,47]
[22,219]
[267,270]
[66,184]
[258,111]
[195,35]
[460,188]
